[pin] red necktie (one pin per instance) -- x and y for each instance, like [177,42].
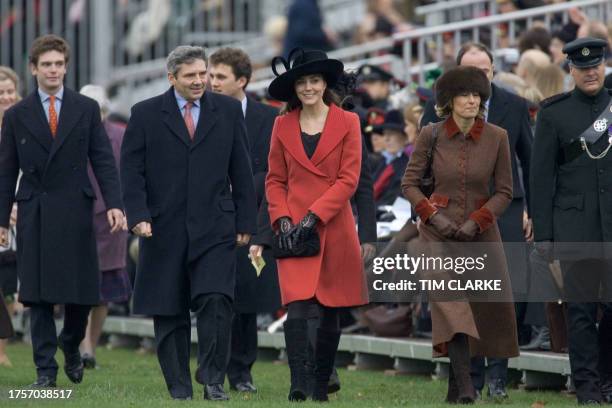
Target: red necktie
[52,115]
[189,120]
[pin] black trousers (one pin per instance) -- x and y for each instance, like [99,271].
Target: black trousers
[44,334]
[590,345]
[173,337]
[497,370]
[244,348]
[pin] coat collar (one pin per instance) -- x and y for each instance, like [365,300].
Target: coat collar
[175,122]
[452,129]
[333,132]
[497,105]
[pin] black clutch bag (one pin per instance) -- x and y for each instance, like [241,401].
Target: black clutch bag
[307,247]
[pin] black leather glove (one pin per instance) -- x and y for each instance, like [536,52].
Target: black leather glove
[443,225]
[286,228]
[545,249]
[304,228]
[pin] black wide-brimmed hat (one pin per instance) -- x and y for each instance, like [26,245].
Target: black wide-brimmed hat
[462,79]
[298,64]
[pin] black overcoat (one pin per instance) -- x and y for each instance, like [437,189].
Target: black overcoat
[197,196]
[56,248]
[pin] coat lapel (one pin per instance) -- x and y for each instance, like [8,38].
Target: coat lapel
[207,119]
[68,118]
[253,120]
[292,141]
[497,106]
[333,132]
[173,119]
[35,121]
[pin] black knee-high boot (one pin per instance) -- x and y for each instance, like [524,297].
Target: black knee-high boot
[452,393]
[296,344]
[325,355]
[459,355]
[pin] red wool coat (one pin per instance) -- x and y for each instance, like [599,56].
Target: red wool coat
[324,185]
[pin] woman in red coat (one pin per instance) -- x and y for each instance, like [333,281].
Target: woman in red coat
[314,165]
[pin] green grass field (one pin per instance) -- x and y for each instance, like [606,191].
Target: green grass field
[126,379]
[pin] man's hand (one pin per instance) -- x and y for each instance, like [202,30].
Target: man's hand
[527,227]
[116,220]
[443,225]
[143,229]
[255,251]
[242,239]
[467,232]
[367,252]
[4,237]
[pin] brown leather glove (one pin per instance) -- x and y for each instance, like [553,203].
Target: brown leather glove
[443,225]
[467,232]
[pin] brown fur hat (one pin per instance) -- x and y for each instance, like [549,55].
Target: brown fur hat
[462,79]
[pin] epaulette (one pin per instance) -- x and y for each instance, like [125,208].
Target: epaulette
[554,99]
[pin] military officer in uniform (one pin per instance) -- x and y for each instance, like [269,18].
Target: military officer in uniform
[571,187]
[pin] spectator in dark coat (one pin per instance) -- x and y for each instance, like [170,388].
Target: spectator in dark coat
[305,28]
[115,283]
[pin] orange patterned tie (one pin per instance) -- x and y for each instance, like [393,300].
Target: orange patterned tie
[189,120]
[52,115]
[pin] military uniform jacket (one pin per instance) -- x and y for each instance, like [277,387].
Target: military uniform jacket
[570,201]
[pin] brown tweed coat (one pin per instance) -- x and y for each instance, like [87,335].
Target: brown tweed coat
[463,168]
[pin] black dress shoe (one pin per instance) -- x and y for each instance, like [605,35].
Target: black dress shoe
[334,382]
[214,392]
[44,381]
[73,365]
[497,390]
[589,402]
[89,361]
[244,387]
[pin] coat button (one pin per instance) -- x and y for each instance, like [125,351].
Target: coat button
[31,170]
[22,141]
[602,190]
[601,171]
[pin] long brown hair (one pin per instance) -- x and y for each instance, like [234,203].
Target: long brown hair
[294,103]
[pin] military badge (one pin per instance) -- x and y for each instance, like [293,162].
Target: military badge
[600,125]
[585,52]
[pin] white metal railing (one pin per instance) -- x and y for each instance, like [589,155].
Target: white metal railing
[443,12]
[109,34]
[427,42]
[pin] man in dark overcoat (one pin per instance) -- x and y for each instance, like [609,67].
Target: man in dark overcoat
[188,192]
[230,72]
[509,112]
[50,136]
[572,208]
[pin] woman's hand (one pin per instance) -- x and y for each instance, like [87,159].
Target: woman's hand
[467,232]
[286,229]
[443,225]
[305,228]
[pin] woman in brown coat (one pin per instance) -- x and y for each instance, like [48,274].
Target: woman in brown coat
[468,154]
